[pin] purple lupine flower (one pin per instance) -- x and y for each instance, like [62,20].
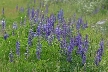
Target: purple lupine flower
[33,13]
[31,33]
[38,54]
[18,48]
[14,26]
[85,25]
[72,43]
[48,30]
[69,56]
[99,53]
[58,32]
[79,23]
[30,40]
[36,16]
[60,15]
[78,40]
[102,44]
[3,24]
[86,44]
[38,50]
[69,52]
[50,39]
[38,30]
[98,57]
[64,44]
[80,48]
[97,60]
[6,36]
[83,56]
[64,30]
[11,56]
[34,35]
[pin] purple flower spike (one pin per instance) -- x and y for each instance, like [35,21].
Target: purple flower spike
[30,40]
[99,53]
[58,32]
[14,26]
[6,36]
[79,23]
[38,54]
[38,50]
[86,44]
[83,58]
[18,48]
[3,24]
[85,25]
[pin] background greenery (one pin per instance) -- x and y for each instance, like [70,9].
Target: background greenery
[51,59]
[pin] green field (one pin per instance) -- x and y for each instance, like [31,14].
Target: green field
[53,57]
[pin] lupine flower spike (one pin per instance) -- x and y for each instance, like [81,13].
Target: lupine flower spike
[99,53]
[6,36]
[38,50]
[3,24]
[18,48]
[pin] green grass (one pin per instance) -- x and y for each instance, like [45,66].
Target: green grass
[51,59]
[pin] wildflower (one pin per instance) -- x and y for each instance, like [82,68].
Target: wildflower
[18,48]
[30,40]
[58,32]
[86,44]
[38,30]
[3,24]
[99,53]
[38,50]
[70,49]
[83,56]
[6,36]
[50,39]
[14,26]
[79,23]
[33,13]
[60,15]
[85,25]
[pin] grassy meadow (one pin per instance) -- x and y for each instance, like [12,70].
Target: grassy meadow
[43,29]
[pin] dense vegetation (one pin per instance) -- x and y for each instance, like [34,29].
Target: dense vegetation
[53,36]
